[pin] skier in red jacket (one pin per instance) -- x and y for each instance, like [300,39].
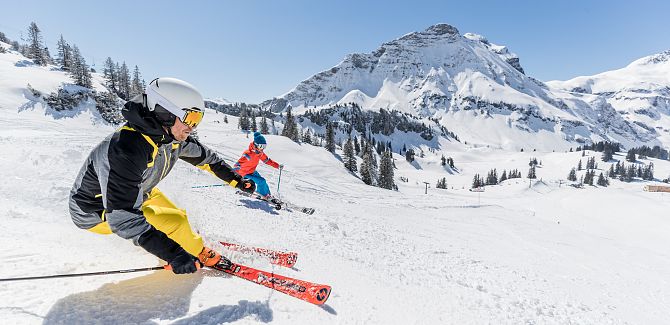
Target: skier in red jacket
[246,166]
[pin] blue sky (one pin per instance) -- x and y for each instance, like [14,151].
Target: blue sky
[254,50]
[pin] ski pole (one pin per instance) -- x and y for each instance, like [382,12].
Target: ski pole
[203,186]
[279,181]
[166,267]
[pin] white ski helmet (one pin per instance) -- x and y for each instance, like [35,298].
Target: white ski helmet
[169,98]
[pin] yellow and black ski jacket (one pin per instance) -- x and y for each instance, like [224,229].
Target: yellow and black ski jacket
[121,171]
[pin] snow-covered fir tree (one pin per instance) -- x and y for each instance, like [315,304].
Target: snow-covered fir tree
[290,127]
[349,156]
[503,177]
[572,176]
[409,155]
[264,125]
[477,181]
[531,173]
[124,82]
[330,137]
[602,181]
[80,71]
[35,48]
[492,177]
[109,73]
[386,171]
[254,125]
[243,122]
[64,54]
[307,136]
[137,84]
[442,183]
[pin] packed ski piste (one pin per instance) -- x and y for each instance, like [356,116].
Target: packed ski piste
[116,193]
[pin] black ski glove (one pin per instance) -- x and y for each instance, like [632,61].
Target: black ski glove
[184,263]
[247,185]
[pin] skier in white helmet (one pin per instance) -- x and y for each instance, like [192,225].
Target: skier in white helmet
[115,191]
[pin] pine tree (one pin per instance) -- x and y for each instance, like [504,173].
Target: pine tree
[254,126]
[386,171]
[365,169]
[630,156]
[330,137]
[572,176]
[225,119]
[409,155]
[579,165]
[477,181]
[442,183]
[136,86]
[349,156]
[357,147]
[307,136]
[264,125]
[109,72]
[444,161]
[243,122]
[290,127]
[64,55]
[503,177]
[35,48]
[602,181]
[374,167]
[589,176]
[124,82]
[531,173]
[80,71]
[607,155]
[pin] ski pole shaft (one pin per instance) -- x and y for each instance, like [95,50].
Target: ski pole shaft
[279,180]
[203,186]
[86,274]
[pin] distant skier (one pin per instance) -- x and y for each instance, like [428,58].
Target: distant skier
[246,166]
[115,190]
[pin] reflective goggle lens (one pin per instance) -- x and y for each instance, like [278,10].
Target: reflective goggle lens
[192,118]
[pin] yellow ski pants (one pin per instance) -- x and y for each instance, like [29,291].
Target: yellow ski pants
[161,213]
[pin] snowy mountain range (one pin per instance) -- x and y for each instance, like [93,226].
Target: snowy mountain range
[479,91]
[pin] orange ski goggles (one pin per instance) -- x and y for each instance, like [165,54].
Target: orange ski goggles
[192,117]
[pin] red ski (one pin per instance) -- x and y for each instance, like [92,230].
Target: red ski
[311,292]
[286,259]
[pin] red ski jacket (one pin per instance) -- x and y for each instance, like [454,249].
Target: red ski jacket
[249,160]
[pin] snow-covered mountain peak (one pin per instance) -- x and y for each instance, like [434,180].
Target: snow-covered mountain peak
[438,32]
[659,58]
[461,80]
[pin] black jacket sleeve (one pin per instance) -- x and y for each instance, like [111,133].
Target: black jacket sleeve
[203,157]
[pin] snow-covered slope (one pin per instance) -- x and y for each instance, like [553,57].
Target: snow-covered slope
[640,92]
[536,252]
[477,89]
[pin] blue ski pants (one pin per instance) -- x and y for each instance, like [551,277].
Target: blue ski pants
[262,187]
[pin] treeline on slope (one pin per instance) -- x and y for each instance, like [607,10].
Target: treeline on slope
[383,122]
[616,170]
[120,83]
